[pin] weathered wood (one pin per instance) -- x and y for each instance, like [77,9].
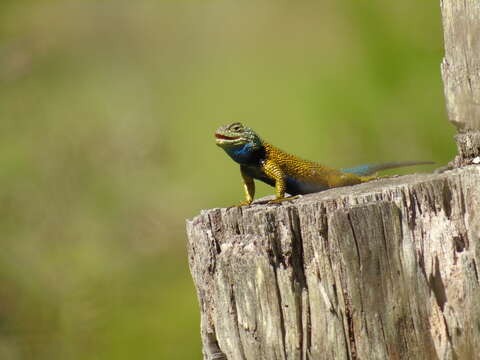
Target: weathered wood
[383,270]
[461,64]
[461,74]
[468,145]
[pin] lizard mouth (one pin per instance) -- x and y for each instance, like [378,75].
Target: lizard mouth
[223,137]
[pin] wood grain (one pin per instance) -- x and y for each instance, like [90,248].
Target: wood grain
[382,270]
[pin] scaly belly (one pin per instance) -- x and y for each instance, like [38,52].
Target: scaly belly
[300,187]
[257,173]
[293,186]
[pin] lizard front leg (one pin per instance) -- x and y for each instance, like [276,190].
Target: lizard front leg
[273,171]
[248,187]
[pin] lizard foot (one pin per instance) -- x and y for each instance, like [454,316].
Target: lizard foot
[243,203]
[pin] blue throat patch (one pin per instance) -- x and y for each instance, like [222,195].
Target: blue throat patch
[242,154]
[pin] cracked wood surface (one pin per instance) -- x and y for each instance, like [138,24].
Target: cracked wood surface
[383,270]
[461,74]
[461,64]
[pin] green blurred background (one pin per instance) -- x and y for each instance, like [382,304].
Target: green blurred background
[107,114]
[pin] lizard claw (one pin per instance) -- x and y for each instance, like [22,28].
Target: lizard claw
[243,203]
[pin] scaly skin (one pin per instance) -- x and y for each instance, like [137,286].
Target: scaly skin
[287,173]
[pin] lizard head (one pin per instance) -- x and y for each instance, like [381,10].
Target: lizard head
[242,144]
[236,135]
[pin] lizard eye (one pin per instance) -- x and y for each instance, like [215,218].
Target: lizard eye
[237,127]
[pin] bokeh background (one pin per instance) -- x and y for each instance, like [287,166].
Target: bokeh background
[107,114]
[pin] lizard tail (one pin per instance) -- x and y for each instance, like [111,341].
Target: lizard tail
[365,170]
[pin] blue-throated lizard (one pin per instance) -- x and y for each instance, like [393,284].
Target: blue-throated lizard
[288,173]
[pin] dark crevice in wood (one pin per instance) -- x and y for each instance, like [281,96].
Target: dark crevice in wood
[351,329]
[384,238]
[299,269]
[346,336]
[416,205]
[355,240]
[276,256]
[447,331]
[437,286]
[459,242]
[280,310]
[307,334]
[212,224]
[421,264]
[447,200]
[216,246]
[412,210]
[475,269]
[298,255]
[461,196]
[334,288]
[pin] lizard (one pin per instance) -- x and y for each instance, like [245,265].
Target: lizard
[288,173]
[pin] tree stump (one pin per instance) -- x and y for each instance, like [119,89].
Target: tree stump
[383,270]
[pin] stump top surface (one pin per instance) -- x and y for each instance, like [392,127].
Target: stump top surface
[370,189]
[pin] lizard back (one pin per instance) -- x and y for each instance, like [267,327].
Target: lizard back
[303,176]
